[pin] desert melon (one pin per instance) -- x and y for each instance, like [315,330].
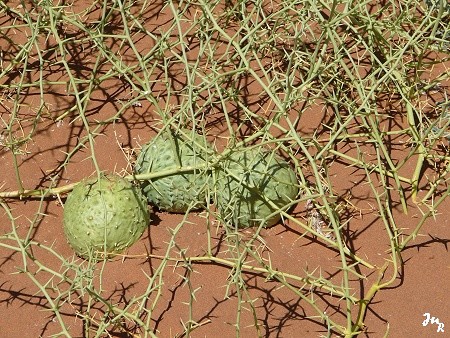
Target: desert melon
[104,216]
[252,186]
[176,192]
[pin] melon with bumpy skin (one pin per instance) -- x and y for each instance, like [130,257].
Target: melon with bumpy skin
[175,192]
[247,180]
[104,215]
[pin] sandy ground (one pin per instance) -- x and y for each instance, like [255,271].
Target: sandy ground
[401,310]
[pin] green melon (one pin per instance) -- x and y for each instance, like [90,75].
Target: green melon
[104,216]
[177,192]
[247,180]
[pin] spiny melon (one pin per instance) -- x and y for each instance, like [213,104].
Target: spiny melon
[104,215]
[249,178]
[177,192]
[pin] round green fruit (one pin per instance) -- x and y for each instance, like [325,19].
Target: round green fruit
[247,181]
[176,191]
[104,216]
